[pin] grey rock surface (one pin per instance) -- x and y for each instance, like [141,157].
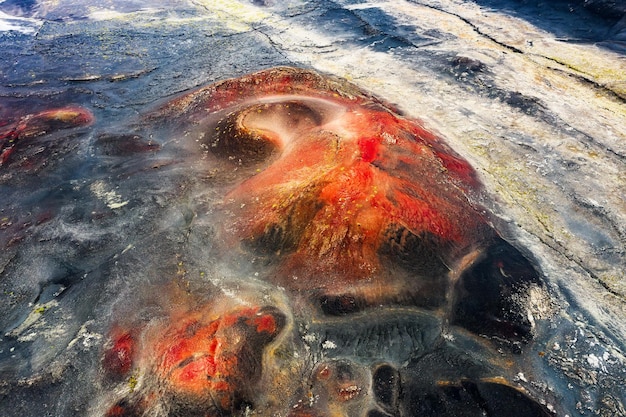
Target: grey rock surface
[532,95]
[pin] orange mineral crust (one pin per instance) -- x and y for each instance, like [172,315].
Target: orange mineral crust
[196,358]
[341,185]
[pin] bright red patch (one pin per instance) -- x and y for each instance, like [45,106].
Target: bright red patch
[118,360]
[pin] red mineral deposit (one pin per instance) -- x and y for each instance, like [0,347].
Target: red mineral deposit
[196,359]
[14,130]
[345,194]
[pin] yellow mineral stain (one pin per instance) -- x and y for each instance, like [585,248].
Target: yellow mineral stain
[234,15]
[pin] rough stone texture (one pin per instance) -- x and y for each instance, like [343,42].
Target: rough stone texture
[533,95]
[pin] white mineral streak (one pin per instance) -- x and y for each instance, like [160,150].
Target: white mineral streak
[33,317]
[88,339]
[19,24]
[328,344]
[103,192]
